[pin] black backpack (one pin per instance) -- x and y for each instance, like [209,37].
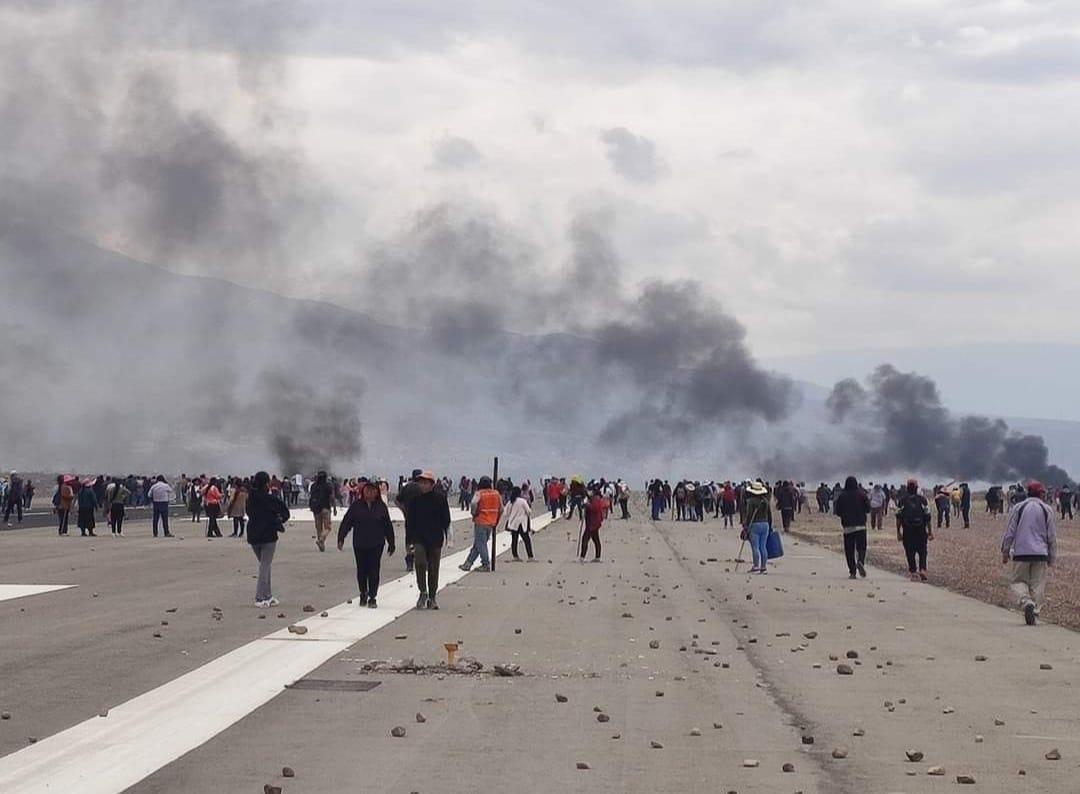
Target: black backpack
[914,515]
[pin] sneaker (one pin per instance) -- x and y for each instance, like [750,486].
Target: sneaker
[362,600]
[273,601]
[763,571]
[464,567]
[169,535]
[484,569]
[263,604]
[755,570]
[922,575]
[862,570]
[851,575]
[371,604]
[597,560]
[422,602]
[1029,614]
[914,577]
[321,545]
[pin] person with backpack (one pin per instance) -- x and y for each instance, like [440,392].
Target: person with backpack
[913,529]
[116,496]
[852,507]
[322,504]
[1030,542]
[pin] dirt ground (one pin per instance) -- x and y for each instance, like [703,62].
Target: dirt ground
[967,561]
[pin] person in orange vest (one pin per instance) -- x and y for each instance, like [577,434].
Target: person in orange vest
[486,509]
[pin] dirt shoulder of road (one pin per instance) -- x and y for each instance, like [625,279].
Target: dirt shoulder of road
[966,561]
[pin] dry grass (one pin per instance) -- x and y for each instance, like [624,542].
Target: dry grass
[967,561]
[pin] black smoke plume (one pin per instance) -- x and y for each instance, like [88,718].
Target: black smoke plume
[641,366]
[896,422]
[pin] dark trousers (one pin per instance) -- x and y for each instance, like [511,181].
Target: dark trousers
[427,568]
[855,549]
[62,517]
[238,526]
[915,545]
[965,512]
[161,513]
[524,533]
[786,517]
[367,570]
[16,505]
[212,528]
[943,515]
[116,518]
[586,536]
[624,504]
[554,505]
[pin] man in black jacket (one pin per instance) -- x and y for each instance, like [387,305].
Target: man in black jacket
[427,523]
[852,506]
[406,493]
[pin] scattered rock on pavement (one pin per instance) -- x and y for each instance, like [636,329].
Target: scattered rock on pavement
[788,767]
[287,771]
[397,732]
[695,731]
[980,658]
[936,771]
[1053,755]
[654,644]
[294,629]
[810,635]
[840,752]
[966,780]
[751,763]
[603,717]
[420,718]
[561,698]
[268,789]
[844,669]
[582,765]
[507,670]
[914,755]
[308,608]
[1045,666]
[5,715]
[656,745]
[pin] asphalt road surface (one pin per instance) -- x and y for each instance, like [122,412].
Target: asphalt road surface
[679,673]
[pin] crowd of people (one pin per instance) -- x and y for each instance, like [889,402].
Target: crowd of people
[259,507]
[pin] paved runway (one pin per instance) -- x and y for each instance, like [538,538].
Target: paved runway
[730,650]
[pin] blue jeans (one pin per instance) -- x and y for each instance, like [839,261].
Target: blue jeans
[759,534]
[481,538]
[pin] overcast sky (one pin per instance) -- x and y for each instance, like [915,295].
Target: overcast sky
[843,175]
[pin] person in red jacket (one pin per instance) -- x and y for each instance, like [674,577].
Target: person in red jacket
[595,509]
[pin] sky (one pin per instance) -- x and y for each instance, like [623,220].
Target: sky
[813,181]
[842,175]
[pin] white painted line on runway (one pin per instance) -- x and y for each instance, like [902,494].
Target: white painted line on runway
[109,755]
[1048,738]
[10,591]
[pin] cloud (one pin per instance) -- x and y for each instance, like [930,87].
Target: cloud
[632,156]
[455,153]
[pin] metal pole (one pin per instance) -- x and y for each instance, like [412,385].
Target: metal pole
[495,485]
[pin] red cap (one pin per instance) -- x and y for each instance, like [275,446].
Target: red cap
[1036,488]
[913,481]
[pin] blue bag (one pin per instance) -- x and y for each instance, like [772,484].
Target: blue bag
[774,546]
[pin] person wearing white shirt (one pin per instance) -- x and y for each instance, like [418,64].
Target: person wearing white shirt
[518,522]
[161,493]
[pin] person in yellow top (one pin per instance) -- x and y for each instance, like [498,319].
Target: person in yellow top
[955,496]
[486,509]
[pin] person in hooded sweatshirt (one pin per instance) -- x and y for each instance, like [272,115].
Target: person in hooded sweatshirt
[368,519]
[852,507]
[267,515]
[1030,542]
[913,529]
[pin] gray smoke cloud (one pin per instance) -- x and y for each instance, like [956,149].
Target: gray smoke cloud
[896,422]
[110,143]
[637,367]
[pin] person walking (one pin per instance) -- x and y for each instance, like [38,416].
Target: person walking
[519,523]
[322,505]
[427,529]
[266,520]
[116,495]
[595,508]
[487,509]
[757,524]
[28,495]
[913,529]
[878,500]
[62,501]
[237,507]
[406,493]
[195,500]
[161,494]
[786,501]
[1030,542]
[88,505]
[852,507]
[212,499]
[622,490]
[368,519]
[14,499]
[942,503]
